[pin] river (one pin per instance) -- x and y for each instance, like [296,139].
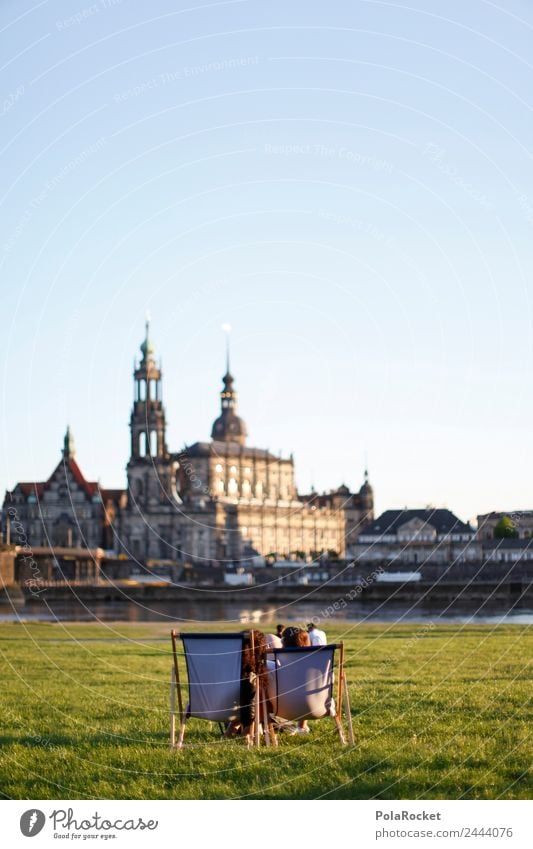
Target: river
[214,611]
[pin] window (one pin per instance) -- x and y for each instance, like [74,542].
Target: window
[142,444]
[220,486]
[142,390]
[232,486]
[153,443]
[219,467]
[233,470]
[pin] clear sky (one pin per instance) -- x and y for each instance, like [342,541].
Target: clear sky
[350,184]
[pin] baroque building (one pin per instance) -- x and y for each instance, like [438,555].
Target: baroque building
[65,511]
[220,500]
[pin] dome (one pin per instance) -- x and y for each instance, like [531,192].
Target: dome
[147,347]
[229,428]
[366,489]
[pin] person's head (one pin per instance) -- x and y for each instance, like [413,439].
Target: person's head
[295,637]
[310,626]
[273,641]
[279,630]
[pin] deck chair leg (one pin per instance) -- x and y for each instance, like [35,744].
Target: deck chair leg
[338,713]
[340,730]
[182,733]
[270,732]
[177,691]
[266,721]
[257,720]
[173,709]
[348,712]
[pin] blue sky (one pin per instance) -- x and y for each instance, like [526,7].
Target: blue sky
[349,184]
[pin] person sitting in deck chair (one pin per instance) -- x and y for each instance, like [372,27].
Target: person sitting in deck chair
[273,642]
[296,637]
[253,670]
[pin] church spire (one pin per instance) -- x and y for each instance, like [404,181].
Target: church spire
[227,330]
[69,450]
[147,349]
[229,427]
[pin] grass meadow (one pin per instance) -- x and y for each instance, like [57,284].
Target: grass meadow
[439,711]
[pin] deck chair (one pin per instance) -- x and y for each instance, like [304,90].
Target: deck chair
[214,680]
[304,682]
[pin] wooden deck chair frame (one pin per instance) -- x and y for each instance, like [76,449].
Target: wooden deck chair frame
[343,697]
[176,693]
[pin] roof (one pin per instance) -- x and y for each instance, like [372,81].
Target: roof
[112,494]
[38,488]
[228,425]
[499,514]
[444,521]
[325,499]
[222,449]
[89,487]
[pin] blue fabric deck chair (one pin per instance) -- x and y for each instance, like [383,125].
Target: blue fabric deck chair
[214,663]
[302,683]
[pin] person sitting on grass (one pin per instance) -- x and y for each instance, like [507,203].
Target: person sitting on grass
[317,637]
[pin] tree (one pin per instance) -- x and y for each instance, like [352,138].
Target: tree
[505,528]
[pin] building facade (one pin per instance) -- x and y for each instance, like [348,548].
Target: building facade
[216,501]
[522,523]
[65,511]
[410,538]
[222,500]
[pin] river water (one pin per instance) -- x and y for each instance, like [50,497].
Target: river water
[192,613]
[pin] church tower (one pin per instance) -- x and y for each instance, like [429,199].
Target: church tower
[149,519]
[147,421]
[229,427]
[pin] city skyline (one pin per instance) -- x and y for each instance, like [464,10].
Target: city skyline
[225,354]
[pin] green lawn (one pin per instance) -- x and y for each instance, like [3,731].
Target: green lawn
[441,712]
